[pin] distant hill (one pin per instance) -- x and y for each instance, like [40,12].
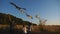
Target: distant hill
[7,19]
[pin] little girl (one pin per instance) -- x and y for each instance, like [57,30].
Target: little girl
[24,29]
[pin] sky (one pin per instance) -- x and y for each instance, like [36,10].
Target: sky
[46,9]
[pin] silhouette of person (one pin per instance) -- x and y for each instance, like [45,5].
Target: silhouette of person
[12,27]
[29,29]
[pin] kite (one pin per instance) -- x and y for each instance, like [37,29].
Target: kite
[29,16]
[37,17]
[19,8]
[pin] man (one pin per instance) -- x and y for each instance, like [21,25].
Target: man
[29,29]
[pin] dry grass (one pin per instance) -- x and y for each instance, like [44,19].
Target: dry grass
[36,29]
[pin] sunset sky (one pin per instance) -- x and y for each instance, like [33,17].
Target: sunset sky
[46,9]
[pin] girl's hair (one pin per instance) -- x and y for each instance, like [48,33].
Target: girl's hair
[23,25]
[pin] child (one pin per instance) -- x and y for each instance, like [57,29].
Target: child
[24,29]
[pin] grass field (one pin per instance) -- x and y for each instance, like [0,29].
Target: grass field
[48,29]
